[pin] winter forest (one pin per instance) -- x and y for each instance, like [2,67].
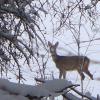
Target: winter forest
[49,49]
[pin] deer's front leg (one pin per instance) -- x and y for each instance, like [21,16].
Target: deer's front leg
[60,74]
[64,74]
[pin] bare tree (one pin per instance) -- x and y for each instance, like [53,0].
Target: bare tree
[20,33]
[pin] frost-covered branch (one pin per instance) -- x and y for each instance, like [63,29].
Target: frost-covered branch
[45,90]
[20,31]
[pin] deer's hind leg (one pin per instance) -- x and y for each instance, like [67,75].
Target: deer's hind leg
[87,71]
[89,74]
[81,74]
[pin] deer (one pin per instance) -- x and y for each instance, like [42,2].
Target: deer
[69,63]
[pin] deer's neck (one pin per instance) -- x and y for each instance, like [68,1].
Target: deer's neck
[54,56]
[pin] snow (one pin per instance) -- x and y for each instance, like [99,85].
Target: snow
[14,91]
[56,85]
[50,87]
[46,88]
[12,97]
[23,89]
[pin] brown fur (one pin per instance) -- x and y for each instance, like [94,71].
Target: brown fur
[67,63]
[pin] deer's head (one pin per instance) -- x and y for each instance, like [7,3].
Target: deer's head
[53,47]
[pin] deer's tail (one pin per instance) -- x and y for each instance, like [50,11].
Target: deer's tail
[94,62]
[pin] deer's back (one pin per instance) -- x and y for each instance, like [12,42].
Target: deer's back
[70,62]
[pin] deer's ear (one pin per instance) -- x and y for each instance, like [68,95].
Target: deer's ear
[56,44]
[49,43]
